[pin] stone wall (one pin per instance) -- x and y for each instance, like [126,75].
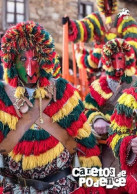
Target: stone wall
[49,13]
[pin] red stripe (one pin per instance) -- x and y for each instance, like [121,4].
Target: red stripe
[100,100]
[94,59]
[74,33]
[75,126]
[122,120]
[110,138]
[119,21]
[35,147]
[8,109]
[1,136]
[104,85]
[132,25]
[131,91]
[44,81]
[123,156]
[89,152]
[54,107]
[85,31]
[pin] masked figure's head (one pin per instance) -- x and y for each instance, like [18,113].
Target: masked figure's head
[118,60]
[28,55]
[107,7]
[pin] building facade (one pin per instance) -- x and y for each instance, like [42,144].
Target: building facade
[49,13]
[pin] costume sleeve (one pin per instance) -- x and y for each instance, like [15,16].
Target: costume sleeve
[127,27]
[83,30]
[57,68]
[99,93]
[8,115]
[121,129]
[88,59]
[68,112]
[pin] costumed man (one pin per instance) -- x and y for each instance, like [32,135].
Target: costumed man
[42,124]
[101,27]
[123,135]
[118,59]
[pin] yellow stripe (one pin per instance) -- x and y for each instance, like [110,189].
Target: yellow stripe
[16,157]
[48,70]
[116,139]
[128,100]
[130,30]
[122,23]
[110,36]
[57,71]
[130,72]
[31,162]
[67,108]
[81,31]
[133,43]
[91,28]
[130,57]
[116,127]
[90,161]
[91,63]
[93,115]
[5,75]
[89,106]
[97,22]
[107,116]
[109,69]
[8,119]
[78,59]
[84,131]
[97,88]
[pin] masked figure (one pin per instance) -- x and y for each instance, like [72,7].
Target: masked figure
[42,124]
[100,27]
[118,59]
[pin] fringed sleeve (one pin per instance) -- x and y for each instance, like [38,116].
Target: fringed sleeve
[127,27]
[68,112]
[121,131]
[99,94]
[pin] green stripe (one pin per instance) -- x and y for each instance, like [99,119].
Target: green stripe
[91,100]
[89,142]
[37,135]
[72,117]
[96,28]
[89,31]
[122,109]
[127,24]
[12,72]
[90,112]
[117,147]
[78,38]
[3,96]
[126,79]
[130,35]
[61,87]
[4,129]
[129,62]
[43,73]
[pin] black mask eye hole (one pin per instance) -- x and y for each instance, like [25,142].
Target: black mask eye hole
[120,58]
[22,58]
[35,58]
[113,59]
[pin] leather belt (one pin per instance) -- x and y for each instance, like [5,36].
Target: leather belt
[41,184]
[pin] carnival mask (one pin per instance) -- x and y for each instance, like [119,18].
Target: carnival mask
[27,66]
[108,5]
[118,63]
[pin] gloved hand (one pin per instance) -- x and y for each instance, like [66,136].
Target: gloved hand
[134,145]
[65,20]
[101,126]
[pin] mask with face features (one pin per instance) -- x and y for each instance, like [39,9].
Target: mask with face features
[107,7]
[29,57]
[118,59]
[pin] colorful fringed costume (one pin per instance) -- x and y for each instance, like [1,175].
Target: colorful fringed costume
[104,92]
[122,131]
[94,28]
[38,154]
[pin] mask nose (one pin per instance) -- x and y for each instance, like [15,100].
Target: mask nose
[30,70]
